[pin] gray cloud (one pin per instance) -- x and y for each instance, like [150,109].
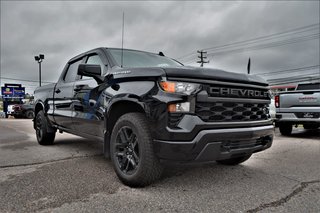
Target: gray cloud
[63,29]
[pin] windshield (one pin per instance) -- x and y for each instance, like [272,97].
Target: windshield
[133,58]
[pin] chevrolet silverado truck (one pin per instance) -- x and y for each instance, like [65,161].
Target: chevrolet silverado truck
[149,110]
[301,106]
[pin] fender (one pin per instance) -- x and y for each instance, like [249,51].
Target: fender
[39,105]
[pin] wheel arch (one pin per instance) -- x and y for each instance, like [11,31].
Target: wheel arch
[37,108]
[116,110]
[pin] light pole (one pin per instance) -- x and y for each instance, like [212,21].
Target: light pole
[39,58]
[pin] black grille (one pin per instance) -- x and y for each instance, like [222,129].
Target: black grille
[231,112]
[233,145]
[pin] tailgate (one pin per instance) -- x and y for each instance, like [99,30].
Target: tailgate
[300,100]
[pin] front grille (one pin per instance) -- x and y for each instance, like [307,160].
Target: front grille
[228,146]
[231,112]
[233,145]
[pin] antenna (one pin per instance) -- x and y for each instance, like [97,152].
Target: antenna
[248,67]
[122,39]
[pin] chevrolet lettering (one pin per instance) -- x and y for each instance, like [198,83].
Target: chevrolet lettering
[232,92]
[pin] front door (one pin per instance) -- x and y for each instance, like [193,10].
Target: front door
[63,96]
[88,104]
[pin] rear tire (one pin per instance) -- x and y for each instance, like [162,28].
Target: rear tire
[234,161]
[131,151]
[44,137]
[29,114]
[285,129]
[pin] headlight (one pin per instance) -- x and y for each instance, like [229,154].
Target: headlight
[179,87]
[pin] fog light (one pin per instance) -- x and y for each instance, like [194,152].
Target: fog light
[179,107]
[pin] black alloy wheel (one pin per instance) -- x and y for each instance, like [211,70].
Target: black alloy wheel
[127,150]
[132,153]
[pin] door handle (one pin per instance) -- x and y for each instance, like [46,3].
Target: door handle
[78,88]
[57,91]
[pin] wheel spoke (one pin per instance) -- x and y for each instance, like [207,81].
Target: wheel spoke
[136,157]
[120,145]
[127,164]
[123,161]
[134,142]
[120,154]
[133,163]
[122,135]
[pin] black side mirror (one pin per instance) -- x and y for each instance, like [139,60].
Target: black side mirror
[91,70]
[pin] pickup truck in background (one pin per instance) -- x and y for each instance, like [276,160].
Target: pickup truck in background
[21,111]
[148,109]
[301,106]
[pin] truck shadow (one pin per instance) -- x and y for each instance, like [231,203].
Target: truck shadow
[311,134]
[80,144]
[302,133]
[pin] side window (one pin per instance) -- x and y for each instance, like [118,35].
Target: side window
[95,59]
[71,74]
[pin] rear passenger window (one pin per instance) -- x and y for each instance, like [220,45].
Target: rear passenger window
[72,71]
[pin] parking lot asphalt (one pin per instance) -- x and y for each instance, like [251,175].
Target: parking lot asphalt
[73,176]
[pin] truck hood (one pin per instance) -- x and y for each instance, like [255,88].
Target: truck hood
[213,74]
[187,73]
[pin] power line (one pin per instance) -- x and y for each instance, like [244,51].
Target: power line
[271,44]
[265,46]
[310,79]
[290,70]
[296,77]
[17,79]
[267,37]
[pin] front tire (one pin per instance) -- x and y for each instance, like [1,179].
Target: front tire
[285,129]
[44,137]
[131,151]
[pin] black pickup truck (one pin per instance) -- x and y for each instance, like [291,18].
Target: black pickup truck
[149,110]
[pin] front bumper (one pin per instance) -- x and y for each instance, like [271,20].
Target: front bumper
[216,144]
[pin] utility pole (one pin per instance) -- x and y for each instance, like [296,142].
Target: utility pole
[202,57]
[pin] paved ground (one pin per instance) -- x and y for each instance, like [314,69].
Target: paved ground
[73,176]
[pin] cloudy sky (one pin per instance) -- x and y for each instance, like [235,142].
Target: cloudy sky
[288,32]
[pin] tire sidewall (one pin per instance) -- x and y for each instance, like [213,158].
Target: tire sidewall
[43,126]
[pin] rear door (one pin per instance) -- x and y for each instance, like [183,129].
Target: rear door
[88,105]
[63,95]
